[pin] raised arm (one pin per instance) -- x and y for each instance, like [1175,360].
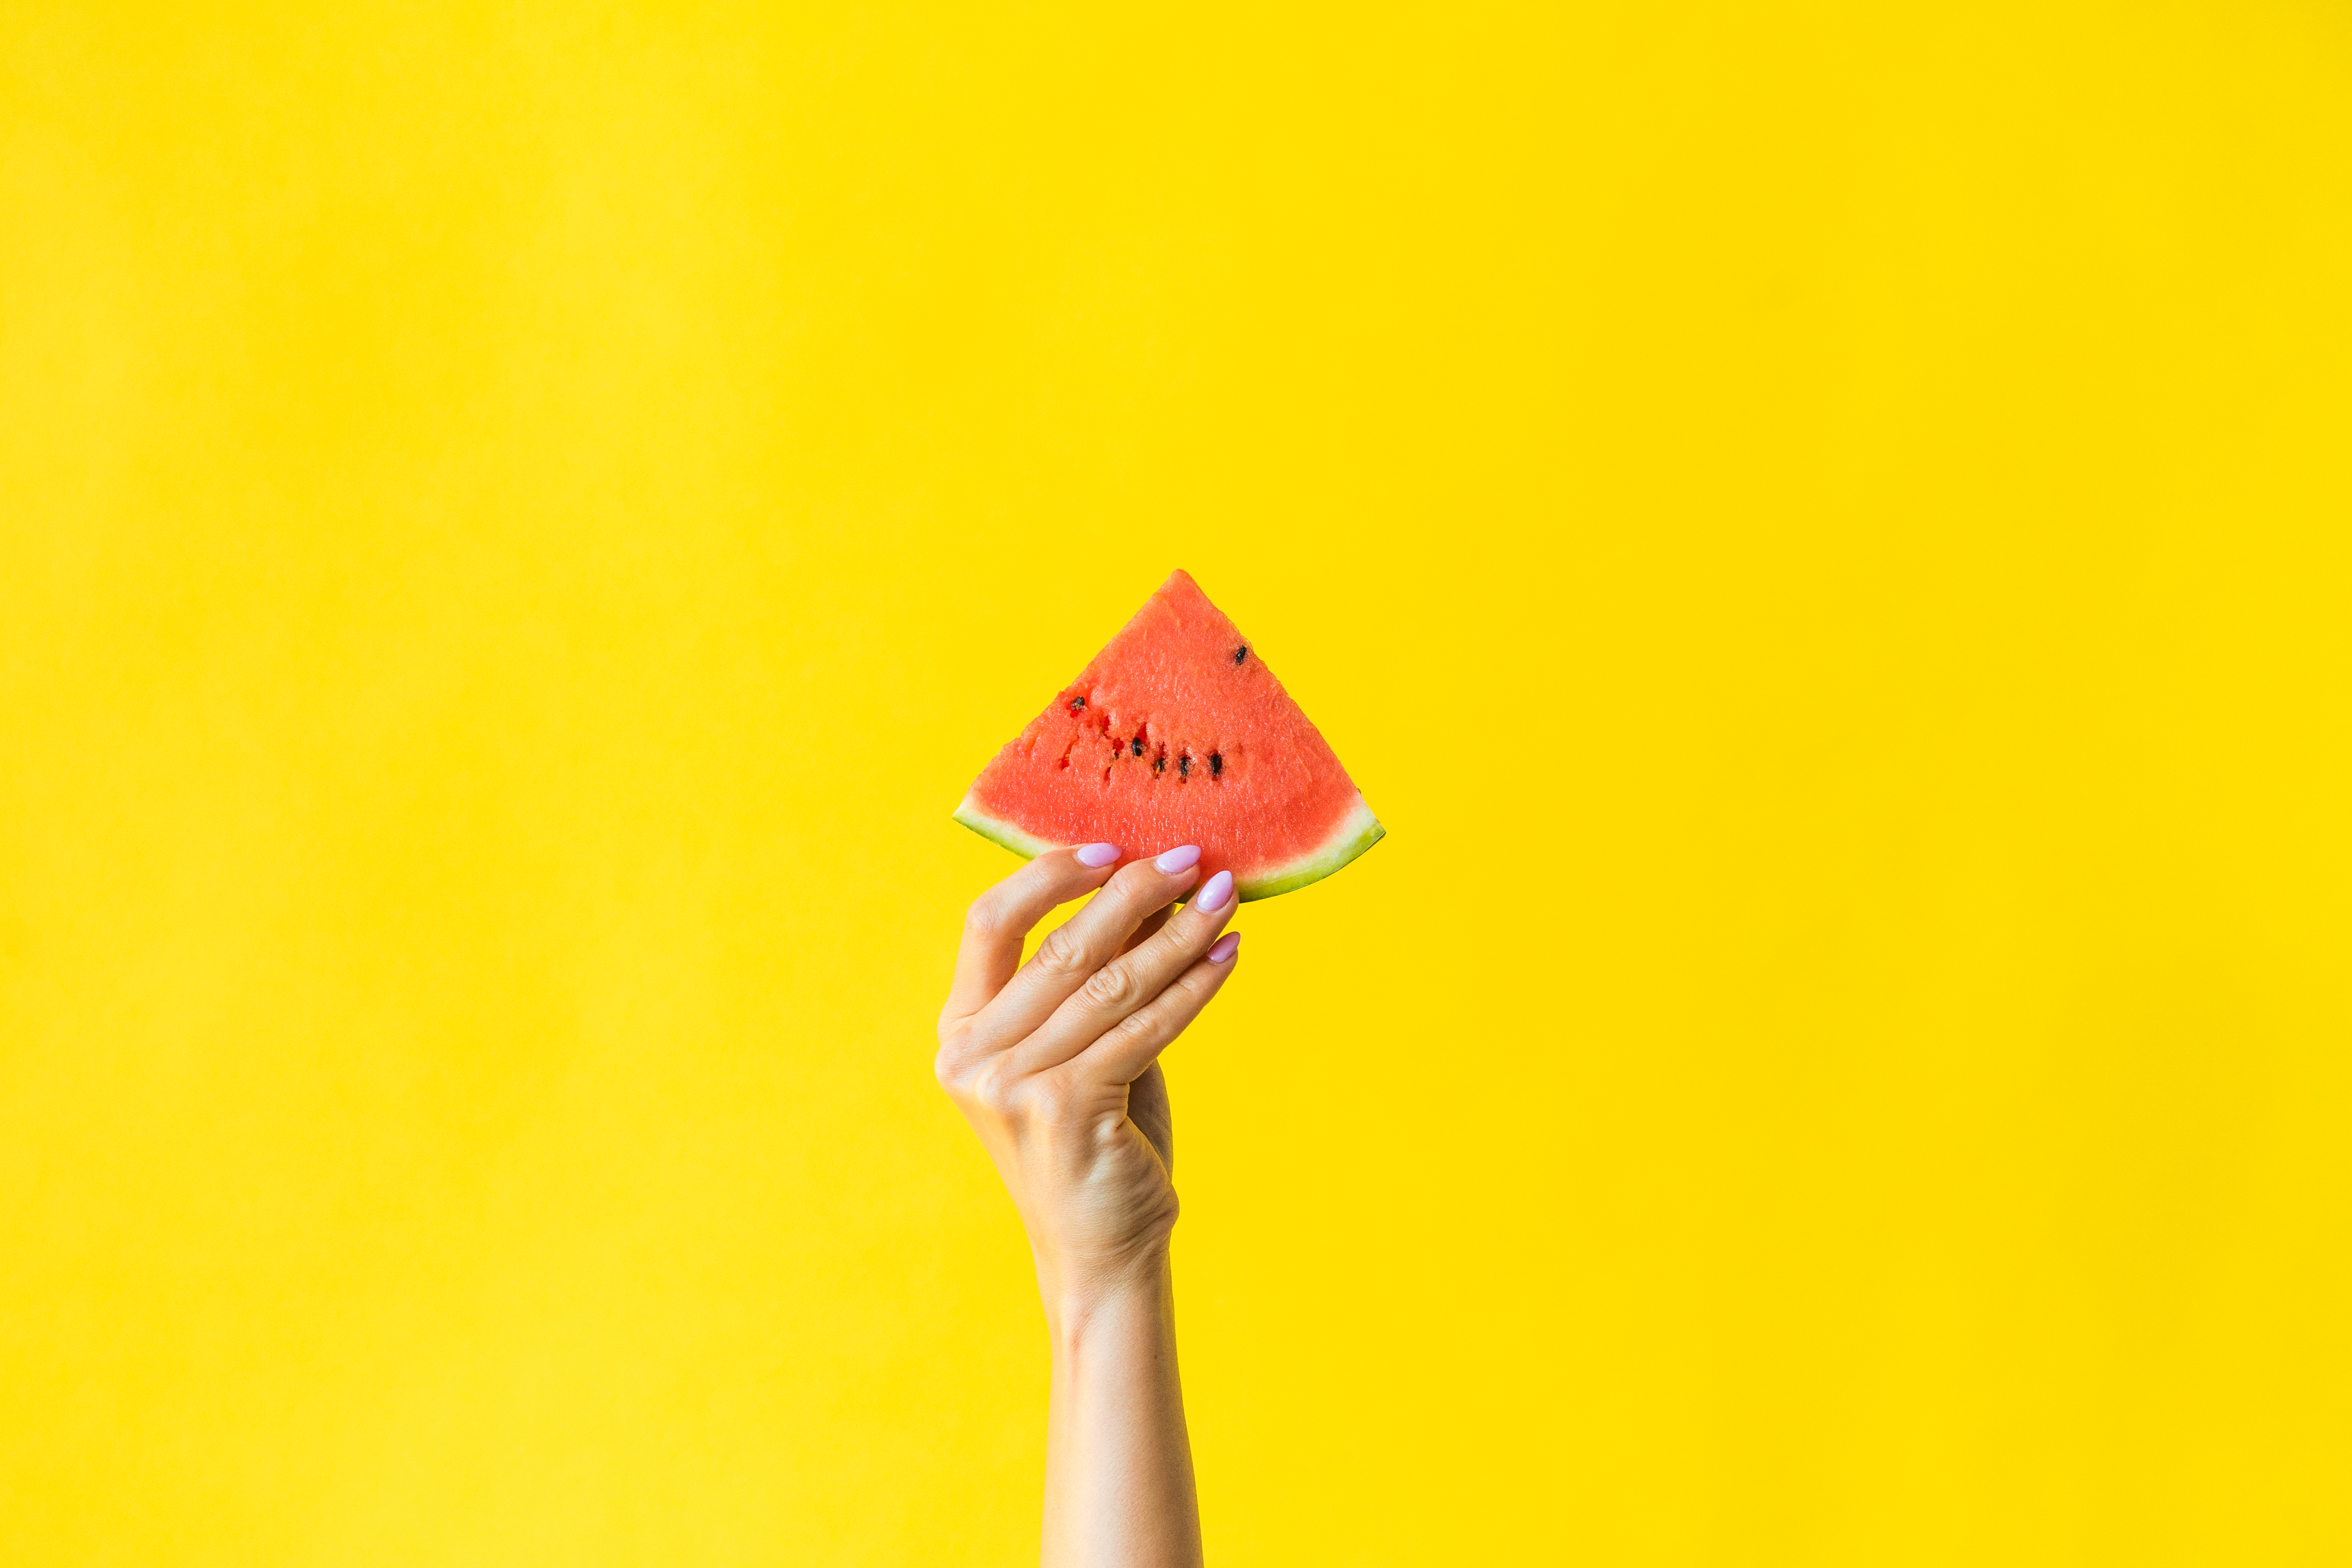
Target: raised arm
[1056,1064]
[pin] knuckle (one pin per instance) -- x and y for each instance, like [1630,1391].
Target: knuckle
[1113,988]
[956,1063]
[1061,953]
[994,1091]
[983,917]
[1137,1029]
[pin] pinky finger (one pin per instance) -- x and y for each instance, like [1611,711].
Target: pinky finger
[1130,1048]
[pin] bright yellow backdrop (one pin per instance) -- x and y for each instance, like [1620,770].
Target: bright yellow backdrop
[1822,529]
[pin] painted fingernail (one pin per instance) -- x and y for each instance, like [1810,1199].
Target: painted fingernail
[1096,856]
[1181,858]
[1227,945]
[1214,893]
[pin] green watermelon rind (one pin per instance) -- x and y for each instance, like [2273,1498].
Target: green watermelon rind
[1357,832]
[997,830]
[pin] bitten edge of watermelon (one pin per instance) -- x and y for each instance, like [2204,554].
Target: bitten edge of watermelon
[1357,832]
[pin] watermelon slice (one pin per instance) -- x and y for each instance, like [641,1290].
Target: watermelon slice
[1178,734]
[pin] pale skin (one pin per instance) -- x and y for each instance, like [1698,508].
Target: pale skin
[1056,1065]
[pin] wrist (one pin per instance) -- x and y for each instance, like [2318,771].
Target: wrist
[1078,1301]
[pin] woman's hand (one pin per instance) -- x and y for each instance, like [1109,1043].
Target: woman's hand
[1056,1065]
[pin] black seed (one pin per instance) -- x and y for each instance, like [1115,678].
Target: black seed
[1159,764]
[1217,764]
[1138,744]
[1241,653]
[1077,703]
[1184,766]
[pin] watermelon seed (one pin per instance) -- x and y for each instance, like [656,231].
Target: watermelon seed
[1077,703]
[1217,764]
[1158,767]
[1184,766]
[1138,744]
[1241,653]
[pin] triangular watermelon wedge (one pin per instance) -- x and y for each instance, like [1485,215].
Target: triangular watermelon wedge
[1178,734]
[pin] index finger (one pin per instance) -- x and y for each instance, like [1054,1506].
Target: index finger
[1001,917]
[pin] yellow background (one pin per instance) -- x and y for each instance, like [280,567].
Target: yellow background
[1821,529]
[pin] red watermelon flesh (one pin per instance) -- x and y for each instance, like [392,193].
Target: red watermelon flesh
[1178,734]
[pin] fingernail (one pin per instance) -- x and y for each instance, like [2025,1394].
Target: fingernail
[1227,945]
[1214,893]
[1096,856]
[1181,858]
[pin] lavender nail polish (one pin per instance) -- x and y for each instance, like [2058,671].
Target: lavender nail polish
[1181,858]
[1214,893]
[1096,856]
[1227,945]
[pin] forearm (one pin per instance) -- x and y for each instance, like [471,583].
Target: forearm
[1118,1463]
[1056,1063]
